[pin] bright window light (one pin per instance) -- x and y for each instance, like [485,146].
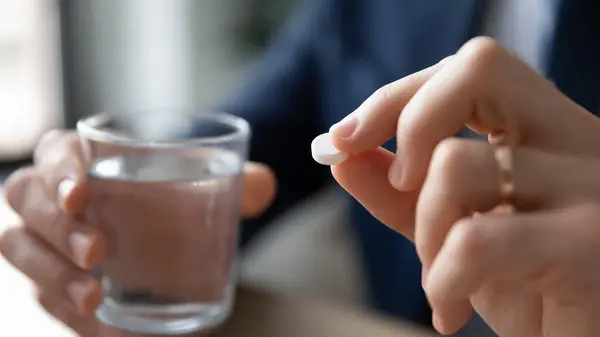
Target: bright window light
[30,81]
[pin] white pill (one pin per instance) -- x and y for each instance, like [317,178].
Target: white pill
[323,151]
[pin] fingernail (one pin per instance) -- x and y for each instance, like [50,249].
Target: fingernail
[64,190]
[79,291]
[395,173]
[80,248]
[345,128]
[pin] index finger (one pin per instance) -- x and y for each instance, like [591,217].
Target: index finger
[374,122]
[486,88]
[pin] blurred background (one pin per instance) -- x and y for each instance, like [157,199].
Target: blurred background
[62,60]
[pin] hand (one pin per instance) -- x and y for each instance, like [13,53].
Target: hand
[531,273]
[56,247]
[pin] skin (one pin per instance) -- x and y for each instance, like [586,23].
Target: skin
[55,246]
[528,273]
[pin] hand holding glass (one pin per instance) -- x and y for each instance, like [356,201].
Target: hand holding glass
[170,209]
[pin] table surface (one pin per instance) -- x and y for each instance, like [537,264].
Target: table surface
[257,313]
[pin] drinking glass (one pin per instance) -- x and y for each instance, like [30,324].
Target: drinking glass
[169,206]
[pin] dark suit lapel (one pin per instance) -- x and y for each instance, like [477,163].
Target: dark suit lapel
[414,34]
[575,54]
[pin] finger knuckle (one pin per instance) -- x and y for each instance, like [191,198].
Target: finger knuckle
[481,49]
[59,274]
[449,159]
[50,137]
[18,250]
[482,54]
[28,255]
[17,183]
[54,230]
[47,142]
[383,94]
[19,175]
[467,241]
[56,149]
[7,238]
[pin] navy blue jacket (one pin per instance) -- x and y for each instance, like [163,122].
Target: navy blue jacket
[331,57]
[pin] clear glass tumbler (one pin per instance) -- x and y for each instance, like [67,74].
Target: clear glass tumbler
[169,206]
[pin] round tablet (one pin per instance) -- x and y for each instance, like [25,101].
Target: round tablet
[325,153]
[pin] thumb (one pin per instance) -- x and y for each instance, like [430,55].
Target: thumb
[259,189]
[365,177]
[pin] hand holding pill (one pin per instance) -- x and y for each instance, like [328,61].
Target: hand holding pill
[539,257]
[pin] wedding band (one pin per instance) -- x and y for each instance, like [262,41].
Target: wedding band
[503,154]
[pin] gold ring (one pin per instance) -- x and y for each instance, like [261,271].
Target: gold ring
[503,154]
